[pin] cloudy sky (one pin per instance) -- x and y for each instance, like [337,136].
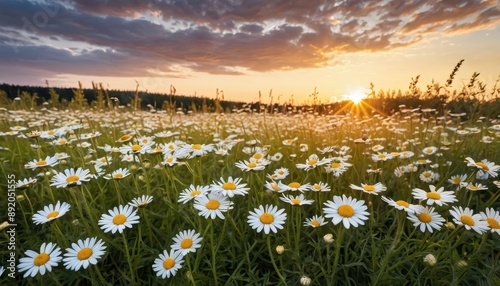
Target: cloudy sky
[246,46]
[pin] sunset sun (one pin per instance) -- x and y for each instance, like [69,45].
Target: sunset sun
[356,96]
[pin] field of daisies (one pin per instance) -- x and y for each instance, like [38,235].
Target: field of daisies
[139,198]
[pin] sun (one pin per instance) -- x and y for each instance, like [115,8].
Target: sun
[356,95]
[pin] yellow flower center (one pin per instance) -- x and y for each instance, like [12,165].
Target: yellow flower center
[171,147]
[125,137]
[104,160]
[482,166]
[369,188]
[429,151]
[402,203]
[170,159]
[84,253]
[257,156]
[119,219]
[145,141]
[229,186]
[118,176]
[346,211]
[72,179]
[275,187]
[194,193]
[266,218]
[212,204]
[52,214]
[467,220]
[315,223]
[312,162]
[427,174]
[422,161]
[41,163]
[158,149]
[493,223]
[317,187]
[168,263]
[456,181]
[381,156]
[62,142]
[186,243]
[41,259]
[51,132]
[281,172]
[433,195]
[196,146]
[425,217]
[251,165]
[136,147]
[295,201]
[294,185]
[473,188]
[335,165]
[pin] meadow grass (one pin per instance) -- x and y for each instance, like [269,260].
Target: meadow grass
[412,149]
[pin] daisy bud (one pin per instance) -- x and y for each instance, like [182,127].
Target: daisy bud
[76,222]
[189,275]
[63,162]
[430,259]
[328,238]
[133,167]
[461,263]
[304,280]
[4,225]
[20,198]
[146,165]
[450,225]
[280,249]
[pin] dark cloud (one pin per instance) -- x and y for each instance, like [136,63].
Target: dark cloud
[138,38]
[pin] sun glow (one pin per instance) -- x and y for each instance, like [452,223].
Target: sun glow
[356,95]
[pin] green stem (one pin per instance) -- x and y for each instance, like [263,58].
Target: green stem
[274,262]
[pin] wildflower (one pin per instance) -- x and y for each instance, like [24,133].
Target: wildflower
[399,204]
[315,221]
[384,156]
[320,187]
[43,261]
[70,177]
[469,220]
[21,184]
[306,281]
[119,218]
[136,148]
[125,138]
[458,180]
[476,187]
[439,196]
[84,253]
[212,205]
[167,264]
[485,168]
[429,150]
[294,186]
[430,259]
[251,165]
[141,201]
[273,187]
[143,140]
[229,187]
[51,212]
[406,154]
[370,189]
[280,174]
[449,225]
[289,142]
[303,147]
[197,149]
[118,174]
[337,166]
[347,210]
[492,217]
[60,141]
[312,162]
[280,249]
[267,218]
[187,241]
[426,218]
[42,163]
[296,201]
[428,176]
[276,157]
[192,192]
[328,238]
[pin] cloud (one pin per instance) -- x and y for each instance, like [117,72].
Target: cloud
[126,38]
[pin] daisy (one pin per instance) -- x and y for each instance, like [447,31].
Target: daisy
[267,218]
[315,221]
[458,180]
[312,162]
[187,241]
[320,187]
[476,187]
[337,166]
[492,217]
[251,165]
[429,150]
[118,174]
[212,205]
[60,141]
[70,177]
[370,189]
[119,218]
[280,174]
[48,257]
[406,154]
[124,138]
[426,218]
[136,148]
[42,163]
[192,192]
[429,176]
[143,140]
[141,201]
[384,156]
[21,184]
[469,220]
[296,201]
[399,204]
[276,157]
[197,149]
[168,263]
[273,187]
[346,209]
[439,196]
[485,168]
[229,187]
[51,212]
[83,253]
[294,186]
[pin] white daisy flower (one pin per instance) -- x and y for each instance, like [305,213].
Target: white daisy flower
[25,183]
[119,218]
[438,197]
[70,177]
[132,148]
[229,187]
[251,165]
[118,174]
[485,168]
[370,189]
[492,217]
[382,156]
[273,187]
[212,205]
[476,187]
[295,186]
[315,221]
[426,218]
[40,262]
[267,218]
[312,162]
[187,241]
[42,163]
[141,201]
[279,174]
[400,204]
[84,253]
[297,200]
[192,192]
[469,220]
[347,210]
[167,264]
[51,212]
[320,187]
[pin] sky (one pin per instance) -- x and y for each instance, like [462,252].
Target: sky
[284,49]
